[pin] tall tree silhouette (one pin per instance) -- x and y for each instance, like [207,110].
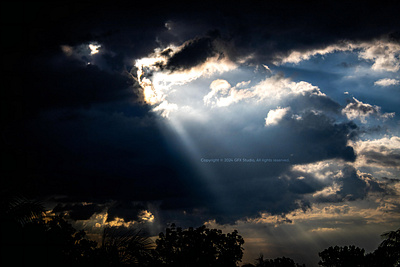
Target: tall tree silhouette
[199,247]
[47,242]
[388,252]
[124,247]
[16,211]
[16,208]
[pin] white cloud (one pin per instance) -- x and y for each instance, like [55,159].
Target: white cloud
[383,54]
[267,68]
[360,110]
[387,82]
[220,88]
[322,169]
[272,90]
[243,84]
[275,115]
[298,56]
[278,87]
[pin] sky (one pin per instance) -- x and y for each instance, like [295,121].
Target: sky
[276,118]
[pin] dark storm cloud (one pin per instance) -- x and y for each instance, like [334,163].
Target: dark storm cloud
[71,83]
[310,101]
[96,154]
[354,186]
[317,137]
[266,29]
[262,29]
[391,159]
[289,191]
[259,190]
[192,54]
[81,211]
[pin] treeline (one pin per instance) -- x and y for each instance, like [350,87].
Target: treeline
[29,238]
[52,241]
[386,255]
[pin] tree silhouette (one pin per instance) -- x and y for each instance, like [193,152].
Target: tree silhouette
[278,262]
[47,242]
[16,211]
[388,252]
[347,256]
[16,208]
[198,247]
[124,247]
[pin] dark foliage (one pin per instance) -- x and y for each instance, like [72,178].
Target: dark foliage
[278,262]
[342,256]
[124,247]
[46,242]
[198,247]
[387,254]
[16,208]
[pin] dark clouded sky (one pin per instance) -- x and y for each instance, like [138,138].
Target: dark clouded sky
[276,118]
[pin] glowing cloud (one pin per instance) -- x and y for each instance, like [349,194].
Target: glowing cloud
[94,48]
[270,90]
[146,216]
[101,220]
[157,81]
[324,229]
[219,87]
[275,115]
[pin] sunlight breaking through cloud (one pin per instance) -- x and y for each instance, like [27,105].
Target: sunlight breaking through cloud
[157,81]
